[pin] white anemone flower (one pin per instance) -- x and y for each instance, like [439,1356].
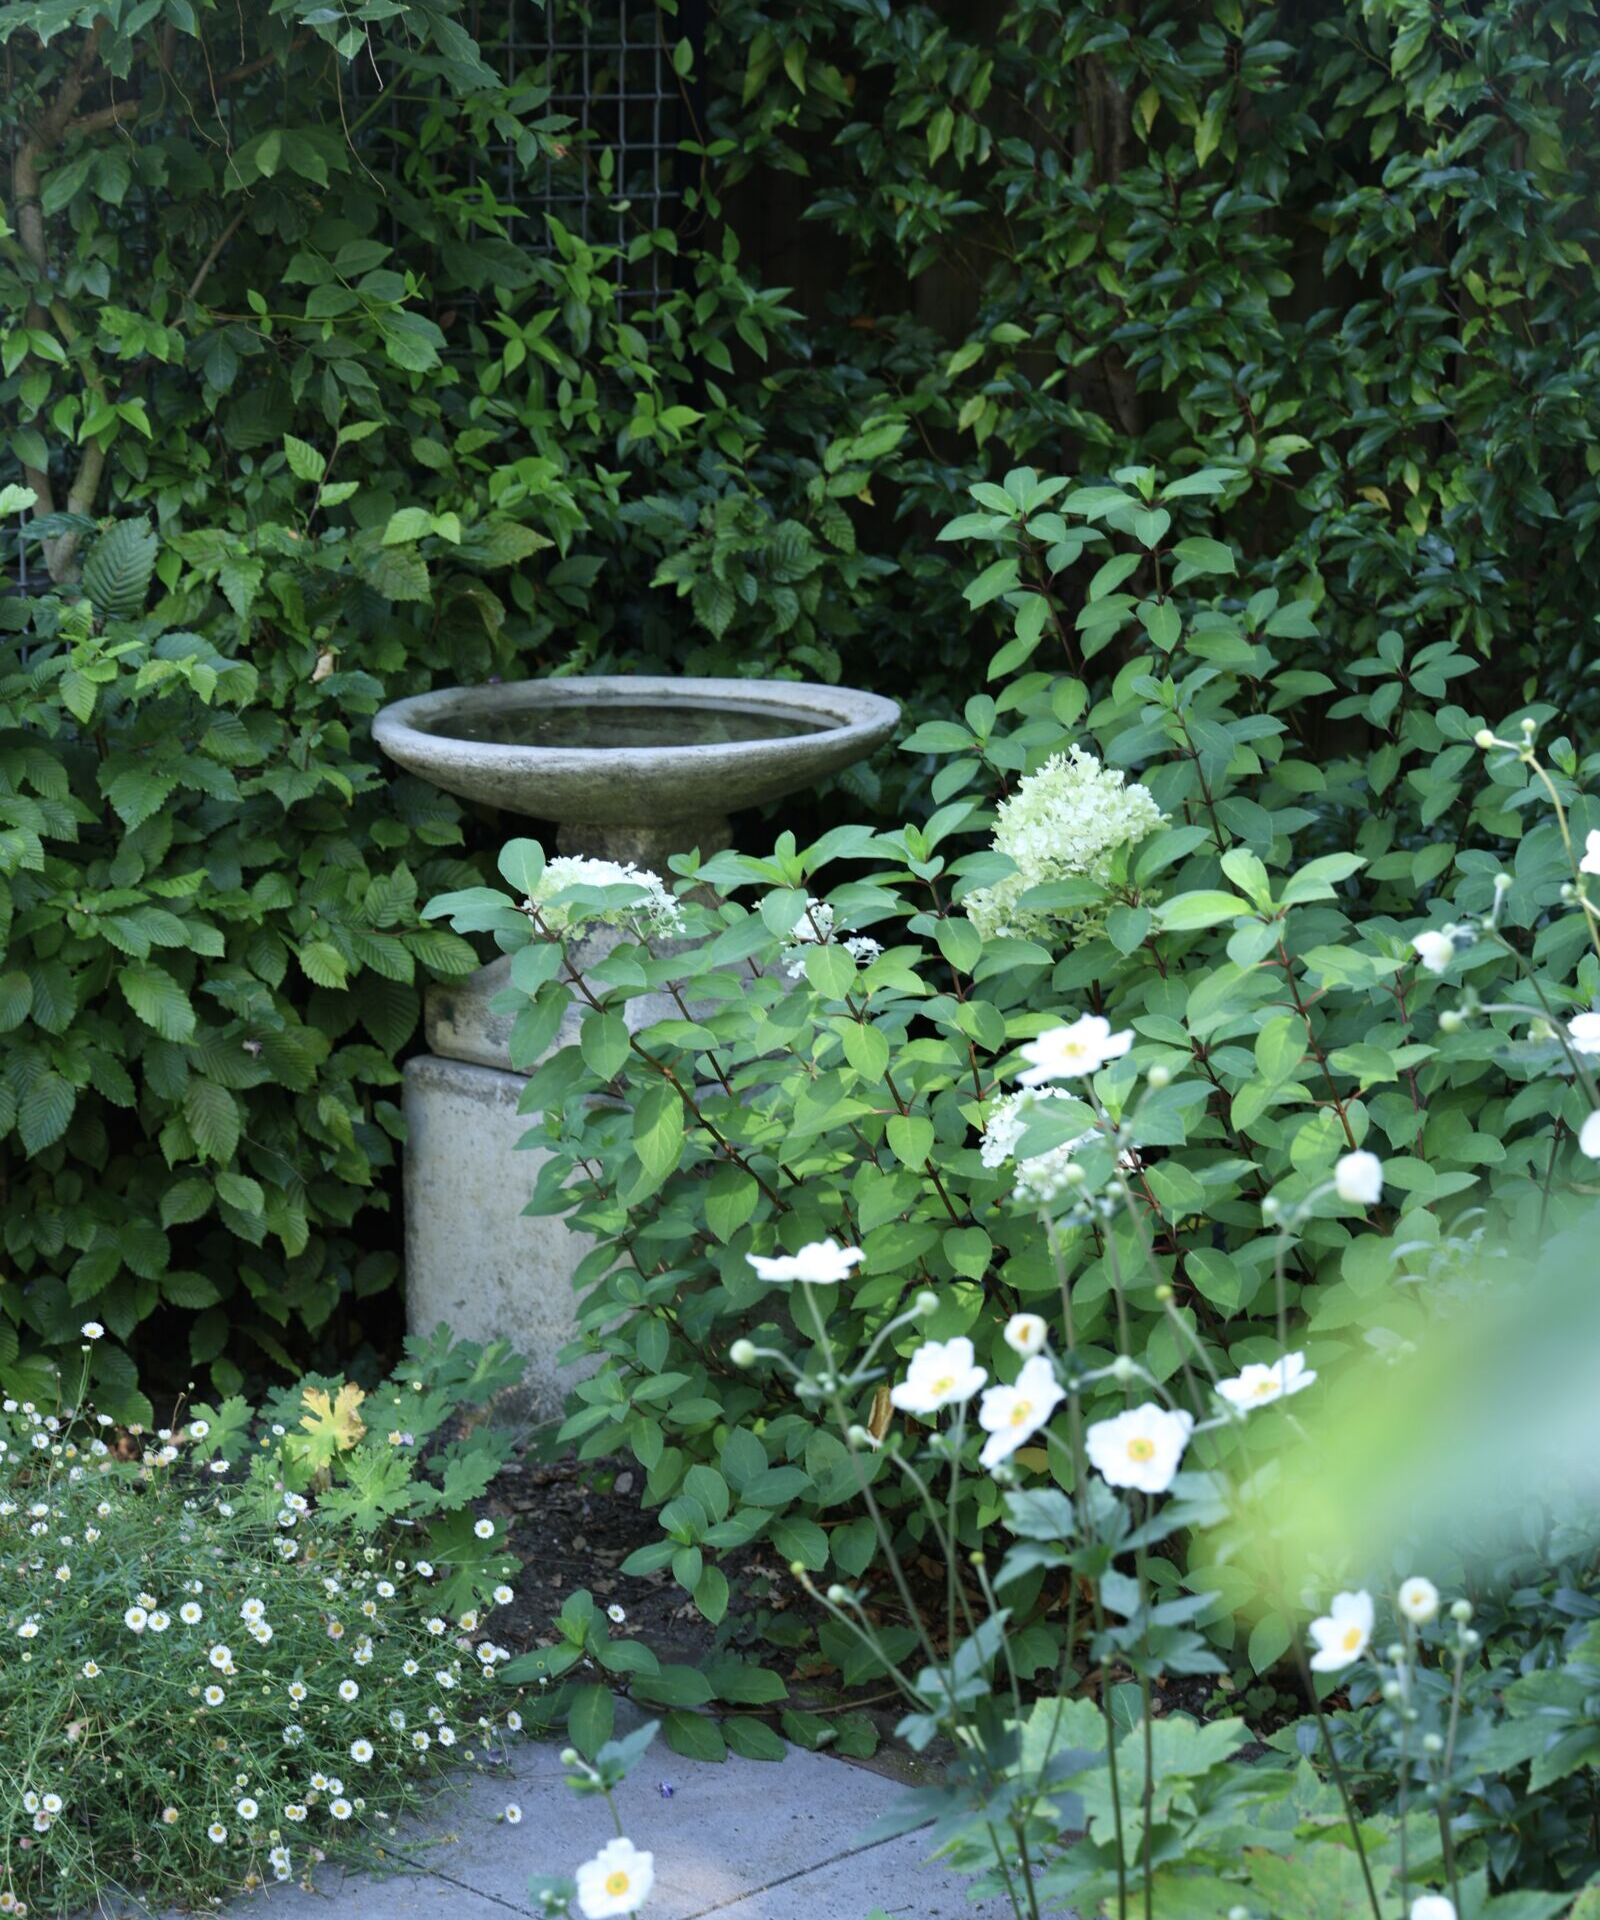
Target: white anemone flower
[616,1881]
[1434,949]
[1011,1415]
[1342,1633]
[1589,1136]
[1583,1030]
[940,1374]
[92,1330]
[1065,1053]
[1141,1448]
[1418,1600]
[1026,1333]
[824,1263]
[1435,1906]
[1258,1386]
[1590,863]
[1358,1178]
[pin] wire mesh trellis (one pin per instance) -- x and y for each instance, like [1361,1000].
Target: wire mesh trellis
[609,68]
[614,175]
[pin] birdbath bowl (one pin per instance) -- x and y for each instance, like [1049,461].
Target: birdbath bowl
[634,767]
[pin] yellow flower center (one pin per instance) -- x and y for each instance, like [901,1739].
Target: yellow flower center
[944,1384]
[617,1882]
[1352,1639]
[1021,1413]
[1141,1449]
[1265,1387]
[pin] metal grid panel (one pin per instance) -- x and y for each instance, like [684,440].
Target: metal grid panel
[616,82]
[609,69]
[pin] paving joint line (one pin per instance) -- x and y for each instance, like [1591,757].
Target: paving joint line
[802,1873]
[449,1880]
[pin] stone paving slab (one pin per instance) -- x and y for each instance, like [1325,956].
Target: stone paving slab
[747,1840]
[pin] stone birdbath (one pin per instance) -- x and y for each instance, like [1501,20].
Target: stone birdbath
[628,767]
[634,767]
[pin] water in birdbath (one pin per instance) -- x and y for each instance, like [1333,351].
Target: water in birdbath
[620,723]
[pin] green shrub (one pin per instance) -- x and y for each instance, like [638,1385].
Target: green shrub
[1338,254]
[242,1643]
[1342,251]
[265,489]
[833,1062]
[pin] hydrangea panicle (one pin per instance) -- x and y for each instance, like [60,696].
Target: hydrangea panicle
[1067,819]
[655,912]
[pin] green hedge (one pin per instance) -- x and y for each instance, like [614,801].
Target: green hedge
[307,424]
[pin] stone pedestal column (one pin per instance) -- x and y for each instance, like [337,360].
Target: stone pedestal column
[473,1259]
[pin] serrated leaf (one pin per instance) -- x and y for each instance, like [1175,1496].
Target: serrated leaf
[16,999]
[305,463]
[45,1112]
[213,1118]
[116,575]
[158,1000]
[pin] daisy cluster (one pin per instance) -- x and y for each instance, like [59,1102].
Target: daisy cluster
[285,1705]
[1066,820]
[655,911]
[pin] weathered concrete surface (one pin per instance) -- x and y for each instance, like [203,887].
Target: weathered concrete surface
[461,1021]
[473,1259]
[741,1841]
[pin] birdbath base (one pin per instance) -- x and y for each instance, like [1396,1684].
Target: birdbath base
[647,846]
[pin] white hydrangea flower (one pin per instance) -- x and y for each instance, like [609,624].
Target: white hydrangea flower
[815,924]
[814,928]
[1042,1177]
[1069,818]
[658,912]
